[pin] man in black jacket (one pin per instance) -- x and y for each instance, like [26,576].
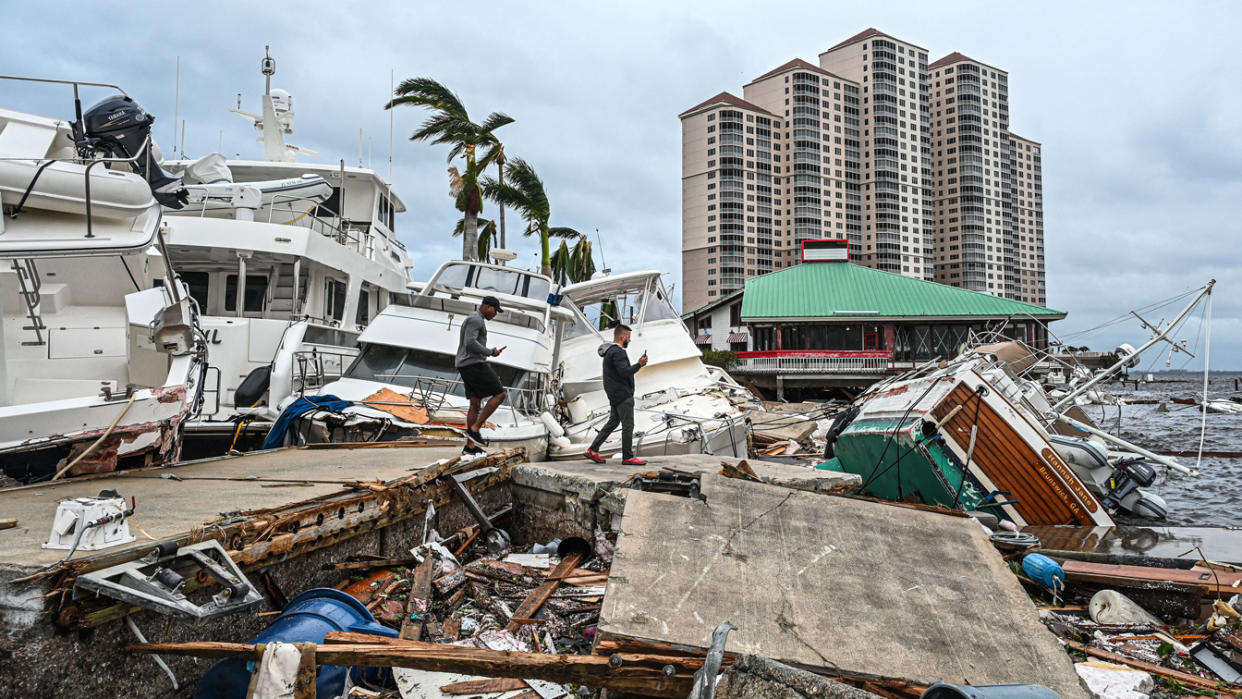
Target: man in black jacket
[619,385]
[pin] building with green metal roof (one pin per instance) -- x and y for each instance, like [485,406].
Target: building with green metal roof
[830,318]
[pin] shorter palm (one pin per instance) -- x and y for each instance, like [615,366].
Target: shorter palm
[573,265]
[487,235]
[524,192]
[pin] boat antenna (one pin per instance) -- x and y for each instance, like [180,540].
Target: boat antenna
[176,105]
[392,86]
[268,67]
[359,147]
[602,261]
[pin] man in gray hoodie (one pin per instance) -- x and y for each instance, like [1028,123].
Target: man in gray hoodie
[479,378]
[619,385]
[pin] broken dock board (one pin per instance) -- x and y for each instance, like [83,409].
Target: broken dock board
[827,582]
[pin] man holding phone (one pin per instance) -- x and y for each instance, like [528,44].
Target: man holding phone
[476,375]
[619,385]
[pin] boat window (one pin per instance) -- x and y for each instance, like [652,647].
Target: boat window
[363,315]
[198,283]
[334,300]
[328,207]
[405,367]
[501,281]
[658,306]
[256,290]
[386,213]
[454,276]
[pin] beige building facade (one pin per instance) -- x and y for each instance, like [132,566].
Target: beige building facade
[912,162]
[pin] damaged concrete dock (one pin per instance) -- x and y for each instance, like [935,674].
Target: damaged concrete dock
[829,584]
[826,582]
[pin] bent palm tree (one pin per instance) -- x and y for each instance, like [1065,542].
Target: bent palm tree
[449,123]
[524,193]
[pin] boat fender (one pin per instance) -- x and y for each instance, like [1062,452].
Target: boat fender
[253,387]
[553,426]
[1043,570]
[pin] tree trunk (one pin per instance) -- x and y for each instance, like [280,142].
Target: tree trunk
[546,260]
[500,169]
[470,236]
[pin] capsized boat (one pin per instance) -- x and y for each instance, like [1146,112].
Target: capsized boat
[101,356]
[681,406]
[956,437]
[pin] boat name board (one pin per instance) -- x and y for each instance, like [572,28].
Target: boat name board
[1068,476]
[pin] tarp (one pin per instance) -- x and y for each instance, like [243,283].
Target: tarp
[296,409]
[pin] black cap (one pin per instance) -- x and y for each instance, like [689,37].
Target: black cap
[493,302]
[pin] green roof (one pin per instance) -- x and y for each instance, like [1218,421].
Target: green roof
[846,290]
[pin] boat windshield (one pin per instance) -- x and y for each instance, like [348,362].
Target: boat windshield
[406,367]
[625,306]
[504,281]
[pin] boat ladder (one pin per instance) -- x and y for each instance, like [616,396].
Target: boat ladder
[29,286]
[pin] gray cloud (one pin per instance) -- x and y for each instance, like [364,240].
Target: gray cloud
[1133,103]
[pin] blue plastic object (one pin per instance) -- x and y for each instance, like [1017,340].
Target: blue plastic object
[306,619]
[1043,570]
[944,690]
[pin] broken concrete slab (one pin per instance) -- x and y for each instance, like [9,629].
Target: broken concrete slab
[757,677]
[827,582]
[575,498]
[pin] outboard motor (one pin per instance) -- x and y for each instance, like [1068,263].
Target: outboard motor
[117,127]
[1124,484]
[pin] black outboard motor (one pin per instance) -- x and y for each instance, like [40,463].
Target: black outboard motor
[117,127]
[1131,474]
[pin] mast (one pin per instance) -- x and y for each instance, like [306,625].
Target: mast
[1160,335]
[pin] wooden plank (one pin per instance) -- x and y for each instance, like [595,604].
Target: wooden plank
[8,523]
[419,602]
[658,676]
[540,594]
[500,684]
[377,563]
[1198,579]
[304,684]
[1184,677]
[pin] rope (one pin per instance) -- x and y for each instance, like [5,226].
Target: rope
[1207,364]
[99,441]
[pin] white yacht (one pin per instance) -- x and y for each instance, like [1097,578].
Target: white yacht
[681,406]
[404,384]
[101,360]
[315,248]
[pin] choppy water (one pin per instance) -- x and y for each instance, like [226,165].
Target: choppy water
[1215,498]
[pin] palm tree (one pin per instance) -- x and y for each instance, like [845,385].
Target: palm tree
[450,123]
[573,265]
[524,193]
[487,235]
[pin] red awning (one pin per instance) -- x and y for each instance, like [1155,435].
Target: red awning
[737,337]
[703,340]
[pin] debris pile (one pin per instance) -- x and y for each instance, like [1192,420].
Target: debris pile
[1134,630]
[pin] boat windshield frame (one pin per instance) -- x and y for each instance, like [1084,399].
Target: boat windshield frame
[655,304]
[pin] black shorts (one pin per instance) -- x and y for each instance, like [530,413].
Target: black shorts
[480,380]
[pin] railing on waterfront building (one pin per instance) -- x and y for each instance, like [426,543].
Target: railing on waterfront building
[788,362]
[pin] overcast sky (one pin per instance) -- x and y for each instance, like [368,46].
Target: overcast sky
[1137,106]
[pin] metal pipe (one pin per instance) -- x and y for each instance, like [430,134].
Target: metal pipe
[239,293]
[297,274]
[1132,447]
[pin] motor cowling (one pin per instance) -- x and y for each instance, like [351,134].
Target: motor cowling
[119,128]
[1129,476]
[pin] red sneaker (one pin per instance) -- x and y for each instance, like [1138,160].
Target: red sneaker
[635,462]
[595,456]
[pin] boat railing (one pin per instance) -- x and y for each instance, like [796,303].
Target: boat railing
[433,393]
[315,368]
[44,161]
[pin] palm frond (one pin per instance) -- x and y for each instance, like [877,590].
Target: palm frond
[494,121]
[563,232]
[426,92]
